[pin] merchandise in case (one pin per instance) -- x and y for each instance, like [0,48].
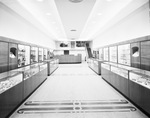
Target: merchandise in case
[23,55]
[113,54]
[41,54]
[45,54]
[140,79]
[9,80]
[34,55]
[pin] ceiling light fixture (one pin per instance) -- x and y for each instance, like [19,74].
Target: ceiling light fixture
[73,30]
[75,1]
[99,14]
[48,14]
[108,0]
[40,0]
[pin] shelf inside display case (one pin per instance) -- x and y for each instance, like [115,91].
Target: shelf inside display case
[23,55]
[9,79]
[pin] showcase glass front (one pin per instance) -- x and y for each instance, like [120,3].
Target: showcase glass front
[34,55]
[40,54]
[106,54]
[124,54]
[113,54]
[23,55]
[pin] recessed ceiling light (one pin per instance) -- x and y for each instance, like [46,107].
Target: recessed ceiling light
[75,1]
[40,0]
[109,0]
[73,30]
[99,14]
[48,14]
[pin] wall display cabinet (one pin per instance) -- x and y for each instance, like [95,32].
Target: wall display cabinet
[145,55]
[23,55]
[124,54]
[101,53]
[45,54]
[3,57]
[34,55]
[113,54]
[106,54]
[40,54]
[13,56]
[135,55]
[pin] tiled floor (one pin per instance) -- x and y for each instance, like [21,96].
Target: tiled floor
[75,91]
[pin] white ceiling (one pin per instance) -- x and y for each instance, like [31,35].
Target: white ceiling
[87,19]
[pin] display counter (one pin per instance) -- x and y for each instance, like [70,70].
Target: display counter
[11,91]
[18,84]
[117,75]
[95,65]
[132,82]
[69,59]
[52,65]
[140,88]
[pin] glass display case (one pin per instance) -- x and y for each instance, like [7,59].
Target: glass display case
[23,55]
[106,66]
[106,54]
[113,54]
[9,80]
[120,71]
[26,72]
[140,78]
[34,69]
[124,54]
[43,66]
[45,54]
[34,55]
[41,54]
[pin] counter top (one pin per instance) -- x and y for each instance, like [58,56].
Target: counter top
[122,66]
[8,74]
